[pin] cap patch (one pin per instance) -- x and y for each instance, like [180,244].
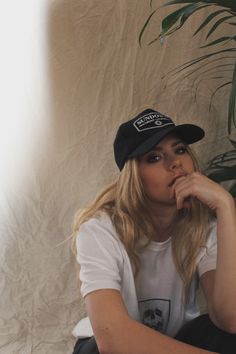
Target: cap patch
[151,121]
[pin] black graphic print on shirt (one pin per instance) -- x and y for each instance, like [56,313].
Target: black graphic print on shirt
[155,313]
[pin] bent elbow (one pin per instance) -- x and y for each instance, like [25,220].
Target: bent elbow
[103,350]
[105,346]
[106,349]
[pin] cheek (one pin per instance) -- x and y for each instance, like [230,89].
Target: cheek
[153,185]
[149,181]
[192,168]
[190,165]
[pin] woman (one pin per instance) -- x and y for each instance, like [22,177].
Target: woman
[147,241]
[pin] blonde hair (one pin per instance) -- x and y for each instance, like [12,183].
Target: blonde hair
[125,202]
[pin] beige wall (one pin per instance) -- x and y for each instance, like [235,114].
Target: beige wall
[71,71]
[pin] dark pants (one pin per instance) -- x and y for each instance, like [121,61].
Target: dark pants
[200,332]
[86,346]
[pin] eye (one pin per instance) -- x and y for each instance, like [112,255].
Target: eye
[153,158]
[181,150]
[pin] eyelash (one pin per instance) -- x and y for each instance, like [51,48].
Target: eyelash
[152,158]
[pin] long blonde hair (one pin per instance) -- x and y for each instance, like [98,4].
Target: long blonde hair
[125,202]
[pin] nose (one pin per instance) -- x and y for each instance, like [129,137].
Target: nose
[174,163]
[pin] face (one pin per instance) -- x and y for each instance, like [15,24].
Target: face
[160,167]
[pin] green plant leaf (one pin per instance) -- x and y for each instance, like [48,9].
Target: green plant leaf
[176,20]
[217,23]
[175,2]
[222,167]
[223,3]
[232,100]
[207,20]
[172,18]
[145,26]
[220,40]
[222,160]
[154,40]
[190,11]
[224,174]
[180,15]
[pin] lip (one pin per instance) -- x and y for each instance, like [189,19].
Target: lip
[176,177]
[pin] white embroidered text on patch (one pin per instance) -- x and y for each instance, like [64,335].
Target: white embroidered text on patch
[151,121]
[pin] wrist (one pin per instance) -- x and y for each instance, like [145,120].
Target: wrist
[225,204]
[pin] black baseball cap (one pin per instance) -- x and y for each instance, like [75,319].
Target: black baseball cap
[140,134]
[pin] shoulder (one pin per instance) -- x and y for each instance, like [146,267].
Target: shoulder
[99,223]
[98,231]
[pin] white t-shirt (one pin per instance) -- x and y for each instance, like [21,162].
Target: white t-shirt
[154,297]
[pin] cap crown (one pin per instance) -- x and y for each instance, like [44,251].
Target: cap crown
[138,135]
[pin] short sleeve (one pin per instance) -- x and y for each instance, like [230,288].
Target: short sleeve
[99,256]
[208,255]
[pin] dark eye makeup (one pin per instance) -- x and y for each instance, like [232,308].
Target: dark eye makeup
[181,149]
[153,156]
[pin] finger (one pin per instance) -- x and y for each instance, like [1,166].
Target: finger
[187,203]
[178,183]
[183,193]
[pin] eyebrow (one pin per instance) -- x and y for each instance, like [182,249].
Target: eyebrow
[159,148]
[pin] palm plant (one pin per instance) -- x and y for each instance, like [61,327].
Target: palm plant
[222,167]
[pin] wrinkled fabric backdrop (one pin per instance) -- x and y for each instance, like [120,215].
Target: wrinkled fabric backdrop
[71,72]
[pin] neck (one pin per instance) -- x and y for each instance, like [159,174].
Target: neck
[164,221]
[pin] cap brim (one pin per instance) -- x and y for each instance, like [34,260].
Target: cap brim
[189,133]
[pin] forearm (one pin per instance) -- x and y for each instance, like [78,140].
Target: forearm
[133,337]
[224,290]
[117,333]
